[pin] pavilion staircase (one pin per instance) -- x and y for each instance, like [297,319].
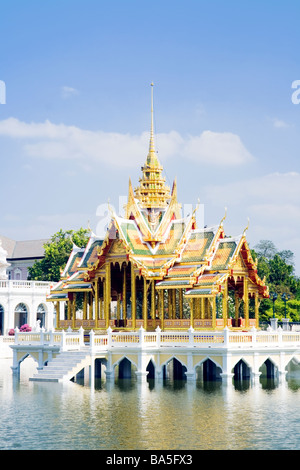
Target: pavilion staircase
[63,367]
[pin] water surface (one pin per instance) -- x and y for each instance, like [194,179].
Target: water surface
[128,415]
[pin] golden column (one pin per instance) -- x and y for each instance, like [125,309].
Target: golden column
[57,309]
[170,304]
[118,307]
[256,300]
[96,302]
[107,294]
[69,309]
[180,301]
[225,303]
[90,306]
[153,300]
[145,316]
[236,308]
[85,294]
[202,314]
[161,308]
[214,311]
[192,308]
[173,303]
[133,297]
[73,311]
[246,301]
[124,303]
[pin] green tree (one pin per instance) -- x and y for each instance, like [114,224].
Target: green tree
[57,252]
[278,269]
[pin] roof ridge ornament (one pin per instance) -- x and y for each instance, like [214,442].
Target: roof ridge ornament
[224,217]
[245,230]
[151,142]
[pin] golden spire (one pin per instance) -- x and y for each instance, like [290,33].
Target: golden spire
[151,143]
[152,159]
[152,192]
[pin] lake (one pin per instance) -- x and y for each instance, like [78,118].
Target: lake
[169,415]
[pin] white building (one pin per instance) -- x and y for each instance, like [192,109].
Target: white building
[21,301]
[21,255]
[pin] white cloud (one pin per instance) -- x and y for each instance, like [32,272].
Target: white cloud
[50,141]
[280,124]
[217,147]
[67,92]
[272,202]
[273,187]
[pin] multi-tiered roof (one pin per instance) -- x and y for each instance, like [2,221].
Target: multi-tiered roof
[163,245]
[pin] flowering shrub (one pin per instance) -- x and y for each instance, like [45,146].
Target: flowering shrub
[11,332]
[25,328]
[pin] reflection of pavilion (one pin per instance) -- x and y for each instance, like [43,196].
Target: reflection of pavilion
[156,268]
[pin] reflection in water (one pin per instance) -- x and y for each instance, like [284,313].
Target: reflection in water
[167,414]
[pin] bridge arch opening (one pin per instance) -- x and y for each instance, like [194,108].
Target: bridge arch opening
[241,371]
[174,370]
[208,371]
[125,369]
[293,368]
[151,370]
[268,369]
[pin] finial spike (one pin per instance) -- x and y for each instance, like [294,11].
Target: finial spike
[151,144]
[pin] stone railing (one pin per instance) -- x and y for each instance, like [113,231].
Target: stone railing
[9,285]
[225,339]
[64,340]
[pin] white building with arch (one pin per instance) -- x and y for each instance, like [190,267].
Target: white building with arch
[22,302]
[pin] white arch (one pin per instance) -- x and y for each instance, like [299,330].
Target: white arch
[121,359]
[170,359]
[241,358]
[201,362]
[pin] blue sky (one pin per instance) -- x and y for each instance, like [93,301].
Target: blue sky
[75,125]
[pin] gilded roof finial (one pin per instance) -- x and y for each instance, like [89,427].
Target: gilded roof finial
[152,192]
[151,143]
[246,227]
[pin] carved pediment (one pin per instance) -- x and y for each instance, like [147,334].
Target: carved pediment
[117,248]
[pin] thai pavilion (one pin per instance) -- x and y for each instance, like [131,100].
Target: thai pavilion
[155,268]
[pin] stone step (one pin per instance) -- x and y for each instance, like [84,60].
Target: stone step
[63,367]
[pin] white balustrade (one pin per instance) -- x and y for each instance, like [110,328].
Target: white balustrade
[70,340]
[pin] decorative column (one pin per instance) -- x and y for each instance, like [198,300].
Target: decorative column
[74,311]
[161,307]
[214,312]
[145,312]
[107,293]
[85,305]
[153,300]
[133,297]
[236,308]
[225,303]
[57,309]
[124,303]
[118,308]
[197,307]
[170,310]
[180,300]
[69,307]
[174,303]
[192,303]
[96,302]
[256,300]
[101,308]
[202,314]
[246,302]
